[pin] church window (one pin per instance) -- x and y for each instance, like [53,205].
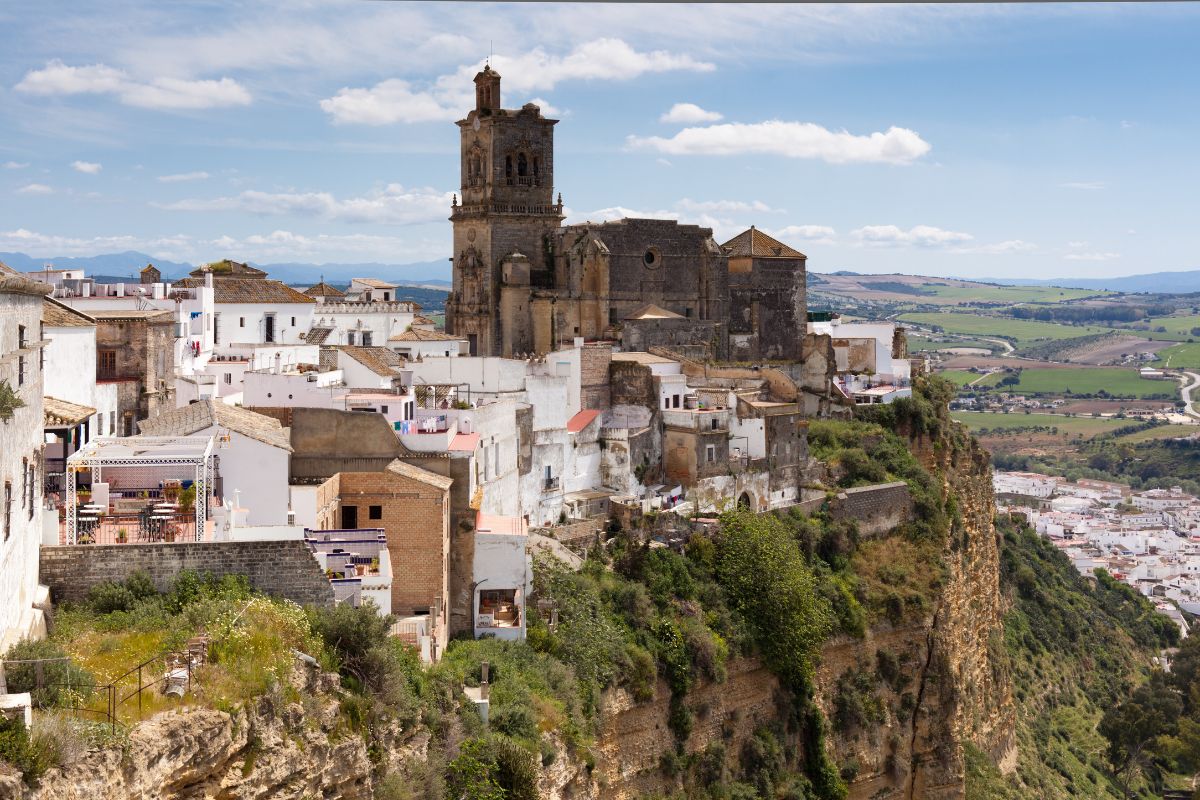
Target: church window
[535,169]
[522,165]
[508,174]
[650,257]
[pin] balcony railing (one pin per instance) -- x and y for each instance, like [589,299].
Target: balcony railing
[480,209]
[550,484]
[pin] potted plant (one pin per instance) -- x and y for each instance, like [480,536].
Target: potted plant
[122,536]
[374,565]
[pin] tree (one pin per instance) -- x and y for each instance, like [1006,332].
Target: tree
[1134,729]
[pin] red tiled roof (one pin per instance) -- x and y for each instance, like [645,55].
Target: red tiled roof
[757,244]
[464,442]
[581,420]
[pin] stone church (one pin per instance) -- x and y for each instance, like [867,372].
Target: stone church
[525,283]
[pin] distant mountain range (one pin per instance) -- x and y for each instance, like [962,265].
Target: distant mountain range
[115,267]
[1171,282]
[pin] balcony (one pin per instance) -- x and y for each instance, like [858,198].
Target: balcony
[483,209]
[550,484]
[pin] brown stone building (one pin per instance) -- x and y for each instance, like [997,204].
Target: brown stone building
[523,283]
[135,349]
[412,506]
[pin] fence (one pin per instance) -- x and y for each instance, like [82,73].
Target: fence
[132,528]
[105,702]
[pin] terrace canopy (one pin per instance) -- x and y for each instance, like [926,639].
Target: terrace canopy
[146,460]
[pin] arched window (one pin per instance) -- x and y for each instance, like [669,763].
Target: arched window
[536,170]
[522,165]
[508,169]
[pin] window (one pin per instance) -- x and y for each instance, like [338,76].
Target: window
[666,402]
[241,322]
[374,512]
[293,322]
[710,453]
[42,351]
[269,328]
[7,509]
[675,400]
[714,423]
[522,165]
[349,337]
[228,378]
[32,487]
[383,410]
[216,328]
[24,480]
[21,357]
[387,296]
[367,338]
[112,423]
[106,363]
[508,176]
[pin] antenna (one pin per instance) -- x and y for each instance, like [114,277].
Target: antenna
[491,52]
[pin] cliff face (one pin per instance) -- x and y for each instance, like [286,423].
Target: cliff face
[952,685]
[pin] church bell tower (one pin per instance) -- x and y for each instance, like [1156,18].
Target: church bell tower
[503,222]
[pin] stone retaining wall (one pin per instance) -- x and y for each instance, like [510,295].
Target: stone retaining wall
[284,569]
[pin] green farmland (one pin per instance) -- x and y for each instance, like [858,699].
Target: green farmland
[1021,330]
[1182,356]
[1116,381]
[1086,427]
[983,293]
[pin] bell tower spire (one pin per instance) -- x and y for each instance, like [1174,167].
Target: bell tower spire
[487,90]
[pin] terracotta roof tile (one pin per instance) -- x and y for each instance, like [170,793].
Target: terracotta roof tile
[651,311]
[317,335]
[757,244]
[61,315]
[423,475]
[206,413]
[227,268]
[249,290]
[379,360]
[60,412]
[374,283]
[323,289]
[423,335]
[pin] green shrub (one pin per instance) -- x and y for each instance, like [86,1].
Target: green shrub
[62,679]
[18,749]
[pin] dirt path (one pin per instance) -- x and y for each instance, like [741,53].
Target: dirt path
[1187,385]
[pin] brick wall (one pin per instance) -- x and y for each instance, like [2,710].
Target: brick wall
[594,361]
[284,569]
[416,519]
[877,509]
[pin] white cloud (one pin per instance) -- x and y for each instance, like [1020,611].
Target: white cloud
[1091,186]
[450,96]
[1000,248]
[815,234]
[917,236]
[15,164]
[388,102]
[277,245]
[35,188]
[181,177]
[86,167]
[547,107]
[163,93]
[1126,124]
[725,207]
[391,205]
[686,113]
[1087,256]
[791,139]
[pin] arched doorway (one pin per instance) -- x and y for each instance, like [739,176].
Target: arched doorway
[746,502]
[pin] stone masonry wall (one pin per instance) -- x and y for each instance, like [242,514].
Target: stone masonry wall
[285,569]
[878,510]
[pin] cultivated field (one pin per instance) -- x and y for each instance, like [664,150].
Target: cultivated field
[1021,330]
[1117,381]
[1087,427]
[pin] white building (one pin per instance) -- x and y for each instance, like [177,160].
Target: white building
[420,343]
[21,441]
[253,449]
[503,575]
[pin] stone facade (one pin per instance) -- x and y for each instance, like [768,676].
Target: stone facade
[282,568]
[525,284]
[877,510]
[414,512]
[135,349]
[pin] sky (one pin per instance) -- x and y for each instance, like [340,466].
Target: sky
[1037,140]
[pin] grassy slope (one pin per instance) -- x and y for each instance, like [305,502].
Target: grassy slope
[1010,294]
[1186,356]
[1075,647]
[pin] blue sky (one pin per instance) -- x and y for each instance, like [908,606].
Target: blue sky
[1015,141]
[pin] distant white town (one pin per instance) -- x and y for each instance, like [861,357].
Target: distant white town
[1148,539]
